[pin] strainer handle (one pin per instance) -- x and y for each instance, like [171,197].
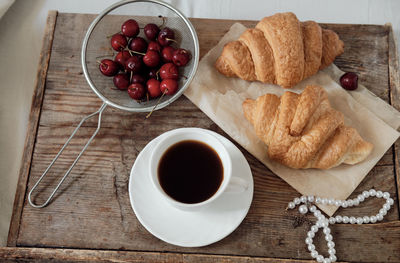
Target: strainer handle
[99,111]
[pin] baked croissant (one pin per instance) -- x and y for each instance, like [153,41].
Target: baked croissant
[304,131]
[280,50]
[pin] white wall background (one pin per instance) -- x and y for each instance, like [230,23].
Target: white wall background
[22,28]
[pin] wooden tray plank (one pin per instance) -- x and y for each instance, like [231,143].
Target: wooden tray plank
[92,209]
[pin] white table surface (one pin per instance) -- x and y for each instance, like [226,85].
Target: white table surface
[22,28]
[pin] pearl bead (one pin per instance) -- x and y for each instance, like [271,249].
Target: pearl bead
[332,220]
[314,229]
[324,223]
[356,202]
[328,237]
[331,201]
[379,194]
[310,198]
[332,258]
[372,192]
[360,220]
[309,241]
[296,201]
[386,195]
[303,209]
[383,211]
[303,199]
[379,217]
[338,203]
[320,258]
[327,231]
[326,260]
[313,209]
[332,251]
[360,198]
[324,201]
[366,219]
[345,219]
[344,204]
[373,219]
[314,254]
[319,224]
[352,220]
[331,244]
[365,194]
[318,200]
[291,205]
[317,213]
[350,202]
[386,206]
[310,234]
[311,247]
[339,219]
[390,201]
[321,218]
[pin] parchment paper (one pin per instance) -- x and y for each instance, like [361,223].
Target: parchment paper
[220,98]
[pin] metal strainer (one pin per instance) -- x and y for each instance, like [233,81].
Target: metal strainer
[96,44]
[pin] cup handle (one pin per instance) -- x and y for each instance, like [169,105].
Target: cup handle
[237,185]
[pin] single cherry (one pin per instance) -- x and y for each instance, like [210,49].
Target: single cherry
[138,79]
[169,86]
[349,81]
[121,58]
[181,57]
[167,53]
[108,67]
[151,31]
[166,36]
[169,71]
[121,81]
[136,91]
[118,42]
[153,88]
[138,44]
[130,28]
[134,64]
[151,59]
[155,46]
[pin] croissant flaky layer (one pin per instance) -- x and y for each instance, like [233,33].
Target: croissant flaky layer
[304,131]
[280,50]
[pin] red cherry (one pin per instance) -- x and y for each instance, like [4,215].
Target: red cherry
[167,53]
[121,81]
[153,73]
[151,31]
[134,64]
[166,36]
[349,81]
[118,42]
[151,59]
[108,67]
[136,91]
[155,46]
[153,88]
[181,57]
[138,44]
[138,79]
[130,28]
[121,58]
[169,71]
[169,86]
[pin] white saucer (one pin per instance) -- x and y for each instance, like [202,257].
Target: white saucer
[189,228]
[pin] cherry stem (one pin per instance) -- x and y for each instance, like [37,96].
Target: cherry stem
[109,36]
[170,39]
[100,63]
[130,79]
[140,53]
[158,102]
[163,21]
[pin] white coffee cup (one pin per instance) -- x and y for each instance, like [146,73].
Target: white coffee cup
[194,134]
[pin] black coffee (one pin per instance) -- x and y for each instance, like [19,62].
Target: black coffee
[190,172]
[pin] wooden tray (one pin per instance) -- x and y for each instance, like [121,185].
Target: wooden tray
[91,218]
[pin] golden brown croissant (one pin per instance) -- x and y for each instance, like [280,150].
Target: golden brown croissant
[304,131]
[280,50]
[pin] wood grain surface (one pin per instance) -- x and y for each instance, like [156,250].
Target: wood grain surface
[92,209]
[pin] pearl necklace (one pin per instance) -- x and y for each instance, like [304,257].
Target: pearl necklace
[323,222]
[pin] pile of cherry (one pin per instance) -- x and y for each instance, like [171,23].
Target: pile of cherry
[145,69]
